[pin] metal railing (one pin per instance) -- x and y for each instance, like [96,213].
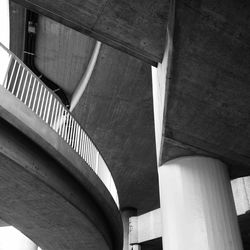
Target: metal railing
[17,78]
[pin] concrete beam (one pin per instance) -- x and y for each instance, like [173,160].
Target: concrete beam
[135,27]
[145,227]
[241,193]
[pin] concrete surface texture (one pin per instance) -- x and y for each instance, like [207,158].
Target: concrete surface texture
[137,27]
[116,109]
[207,100]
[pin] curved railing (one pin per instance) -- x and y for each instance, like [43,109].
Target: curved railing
[29,89]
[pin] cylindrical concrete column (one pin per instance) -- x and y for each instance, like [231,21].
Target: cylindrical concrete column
[126,214]
[197,205]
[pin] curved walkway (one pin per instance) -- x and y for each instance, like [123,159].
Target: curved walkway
[52,177]
[43,200]
[27,87]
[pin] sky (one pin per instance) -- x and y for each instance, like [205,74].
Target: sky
[5,26]
[12,239]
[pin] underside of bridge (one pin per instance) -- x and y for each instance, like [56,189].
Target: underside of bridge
[205,97]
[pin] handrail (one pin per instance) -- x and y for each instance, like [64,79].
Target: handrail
[18,79]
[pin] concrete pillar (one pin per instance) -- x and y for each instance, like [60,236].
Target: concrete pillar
[136,247]
[197,205]
[126,214]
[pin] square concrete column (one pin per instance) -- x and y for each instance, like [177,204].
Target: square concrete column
[197,205]
[126,214]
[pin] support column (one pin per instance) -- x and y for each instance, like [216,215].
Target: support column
[126,214]
[197,205]
[136,247]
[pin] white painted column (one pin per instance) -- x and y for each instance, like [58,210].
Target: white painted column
[197,205]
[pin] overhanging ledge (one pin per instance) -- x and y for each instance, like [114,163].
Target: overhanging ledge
[135,27]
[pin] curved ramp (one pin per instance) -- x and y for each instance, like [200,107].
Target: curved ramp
[47,203]
[47,189]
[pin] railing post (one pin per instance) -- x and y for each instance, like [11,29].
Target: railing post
[20,83]
[17,74]
[49,109]
[97,162]
[12,71]
[24,85]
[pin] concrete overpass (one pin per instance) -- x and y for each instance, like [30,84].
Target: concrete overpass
[49,190]
[200,91]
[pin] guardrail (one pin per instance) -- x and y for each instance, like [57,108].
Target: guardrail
[18,79]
